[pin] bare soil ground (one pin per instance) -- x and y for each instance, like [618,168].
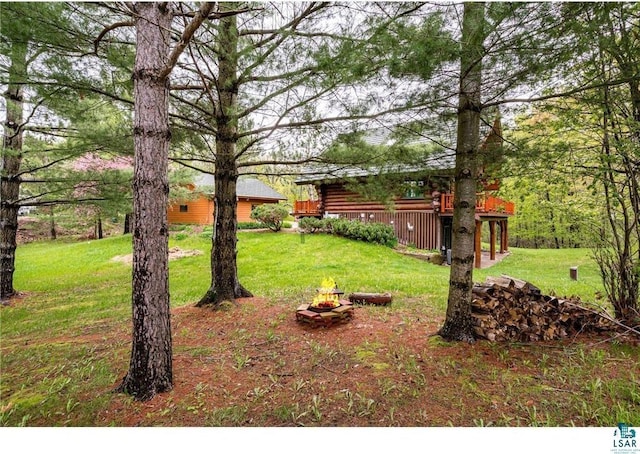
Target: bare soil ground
[254,365]
[174,253]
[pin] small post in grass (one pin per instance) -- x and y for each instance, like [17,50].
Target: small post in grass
[573,273]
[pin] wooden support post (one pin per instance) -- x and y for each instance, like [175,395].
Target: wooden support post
[478,246]
[502,236]
[505,246]
[492,240]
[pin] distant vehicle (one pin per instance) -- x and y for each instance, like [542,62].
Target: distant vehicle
[25,210]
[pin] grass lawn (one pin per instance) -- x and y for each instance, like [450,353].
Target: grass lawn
[65,344]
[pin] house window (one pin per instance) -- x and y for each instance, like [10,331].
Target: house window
[414,190]
[184,208]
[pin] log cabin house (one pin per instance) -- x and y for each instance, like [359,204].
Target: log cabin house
[199,210]
[423,215]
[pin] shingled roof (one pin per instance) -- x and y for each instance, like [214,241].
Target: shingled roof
[442,162]
[439,161]
[246,188]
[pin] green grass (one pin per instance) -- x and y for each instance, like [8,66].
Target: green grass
[74,289]
[300,262]
[73,283]
[280,265]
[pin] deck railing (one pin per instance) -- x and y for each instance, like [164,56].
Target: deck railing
[485,203]
[306,207]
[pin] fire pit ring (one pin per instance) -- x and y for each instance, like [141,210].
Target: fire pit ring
[327,308]
[321,309]
[309,315]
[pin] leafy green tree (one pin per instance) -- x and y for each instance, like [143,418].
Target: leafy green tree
[618,251]
[606,119]
[545,175]
[591,134]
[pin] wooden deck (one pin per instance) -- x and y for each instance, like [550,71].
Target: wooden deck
[485,203]
[308,208]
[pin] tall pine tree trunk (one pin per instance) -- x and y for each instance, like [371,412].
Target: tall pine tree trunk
[52,224]
[10,162]
[150,369]
[127,224]
[458,323]
[99,231]
[225,285]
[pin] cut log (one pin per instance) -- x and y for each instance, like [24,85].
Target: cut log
[510,284]
[371,298]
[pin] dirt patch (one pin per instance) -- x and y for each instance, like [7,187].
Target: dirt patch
[174,254]
[254,365]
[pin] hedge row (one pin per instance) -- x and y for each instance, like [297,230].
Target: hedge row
[251,225]
[370,232]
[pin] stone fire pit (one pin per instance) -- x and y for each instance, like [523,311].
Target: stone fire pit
[327,308]
[341,314]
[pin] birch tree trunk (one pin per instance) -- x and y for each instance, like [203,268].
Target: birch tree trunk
[458,324]
[10,167]
[150,369]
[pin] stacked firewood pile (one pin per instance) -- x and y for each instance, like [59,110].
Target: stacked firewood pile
[509,309]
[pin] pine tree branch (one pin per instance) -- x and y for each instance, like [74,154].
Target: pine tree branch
[106,30]
[280,162]
[564,94]
[291,25]
[187,34]
[65,201]
[45,166]
[213,81]
[186,163]
[337,118]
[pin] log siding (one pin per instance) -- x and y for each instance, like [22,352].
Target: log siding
[420,229]
[337,199]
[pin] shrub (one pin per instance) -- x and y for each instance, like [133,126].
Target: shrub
[250,225]
[311,225]
[271,215]
[370,232]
